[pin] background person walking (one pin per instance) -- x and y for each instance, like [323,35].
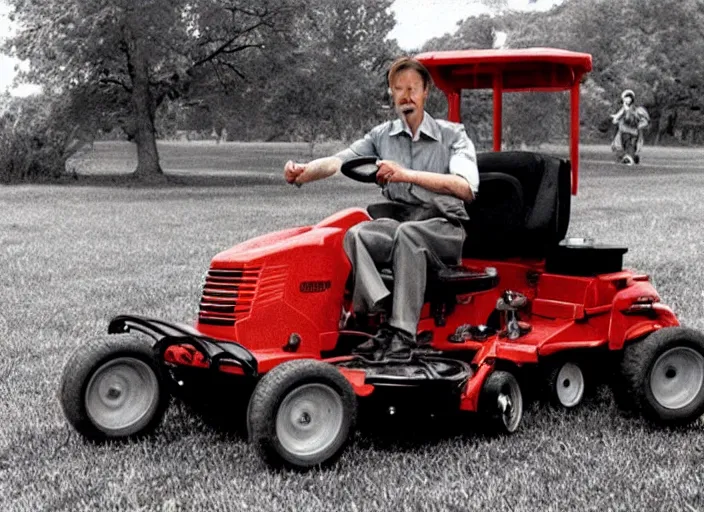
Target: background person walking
[631,121]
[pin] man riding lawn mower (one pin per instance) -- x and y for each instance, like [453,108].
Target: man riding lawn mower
[458,314]
[427,168]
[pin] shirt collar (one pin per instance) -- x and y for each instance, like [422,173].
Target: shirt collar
[427,127]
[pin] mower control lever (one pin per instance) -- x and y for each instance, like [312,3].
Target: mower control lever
[510,303]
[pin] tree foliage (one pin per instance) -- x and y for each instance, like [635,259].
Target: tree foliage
[654,47]
[38,135]
[260,68]
[333,85]
[141,53]
[288,70]
[327,81]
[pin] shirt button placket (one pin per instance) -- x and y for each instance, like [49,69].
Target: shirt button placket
[411,160]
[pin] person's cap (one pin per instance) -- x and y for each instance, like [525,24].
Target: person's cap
[628,92]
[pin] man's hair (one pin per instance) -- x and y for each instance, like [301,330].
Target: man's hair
[404,63]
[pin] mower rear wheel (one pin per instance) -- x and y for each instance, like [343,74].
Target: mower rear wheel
[501,402]
[301,414]
[665,374]
[113,388]
[566,384]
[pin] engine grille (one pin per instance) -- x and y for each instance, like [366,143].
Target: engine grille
[227,295]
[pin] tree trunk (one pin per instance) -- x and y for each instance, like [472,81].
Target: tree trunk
[143,109]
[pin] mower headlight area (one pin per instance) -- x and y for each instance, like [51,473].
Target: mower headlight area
[641,306]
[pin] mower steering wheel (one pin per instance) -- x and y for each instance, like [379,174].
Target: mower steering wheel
[362,169]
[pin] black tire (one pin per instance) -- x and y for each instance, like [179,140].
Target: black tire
[565,382]
[623,397]
[113,388]
[307,386]
[501,416]
[664,373]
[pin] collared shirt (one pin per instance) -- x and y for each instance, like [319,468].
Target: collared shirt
[440,146]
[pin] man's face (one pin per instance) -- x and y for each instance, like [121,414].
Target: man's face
[409,95]
[627,101]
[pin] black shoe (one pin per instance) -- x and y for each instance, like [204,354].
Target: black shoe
[401,346]
[379,342]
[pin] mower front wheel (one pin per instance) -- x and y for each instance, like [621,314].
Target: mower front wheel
[113,388]
[566,383]
[665,374]
[301,414]
[501,402]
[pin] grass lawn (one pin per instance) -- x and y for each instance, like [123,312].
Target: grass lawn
[75,254]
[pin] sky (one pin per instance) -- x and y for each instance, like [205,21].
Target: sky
[416,22]
[420,20]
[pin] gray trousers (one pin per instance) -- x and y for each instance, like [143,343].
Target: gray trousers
[409,248]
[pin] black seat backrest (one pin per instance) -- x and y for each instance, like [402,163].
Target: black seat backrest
[522,208]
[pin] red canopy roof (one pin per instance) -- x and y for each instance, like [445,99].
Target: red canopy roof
[522,69]
[526,69]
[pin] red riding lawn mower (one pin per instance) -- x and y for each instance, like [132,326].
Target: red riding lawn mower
[274,315]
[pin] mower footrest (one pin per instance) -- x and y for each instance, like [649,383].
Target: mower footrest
[420,371]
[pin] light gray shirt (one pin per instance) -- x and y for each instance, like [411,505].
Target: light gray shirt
[440,146]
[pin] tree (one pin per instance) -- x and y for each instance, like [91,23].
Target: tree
[37,136]
[334,84]
[327,82]
[141,54]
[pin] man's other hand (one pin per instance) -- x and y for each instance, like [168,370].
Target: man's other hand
[390,171]
[292,171]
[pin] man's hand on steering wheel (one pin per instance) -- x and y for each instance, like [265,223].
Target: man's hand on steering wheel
[390,171]
[292,171]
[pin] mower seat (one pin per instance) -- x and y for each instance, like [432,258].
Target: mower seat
[451,281]
[522,208]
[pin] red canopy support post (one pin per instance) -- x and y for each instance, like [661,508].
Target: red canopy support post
[498,109]
[574,134]
[453,106]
